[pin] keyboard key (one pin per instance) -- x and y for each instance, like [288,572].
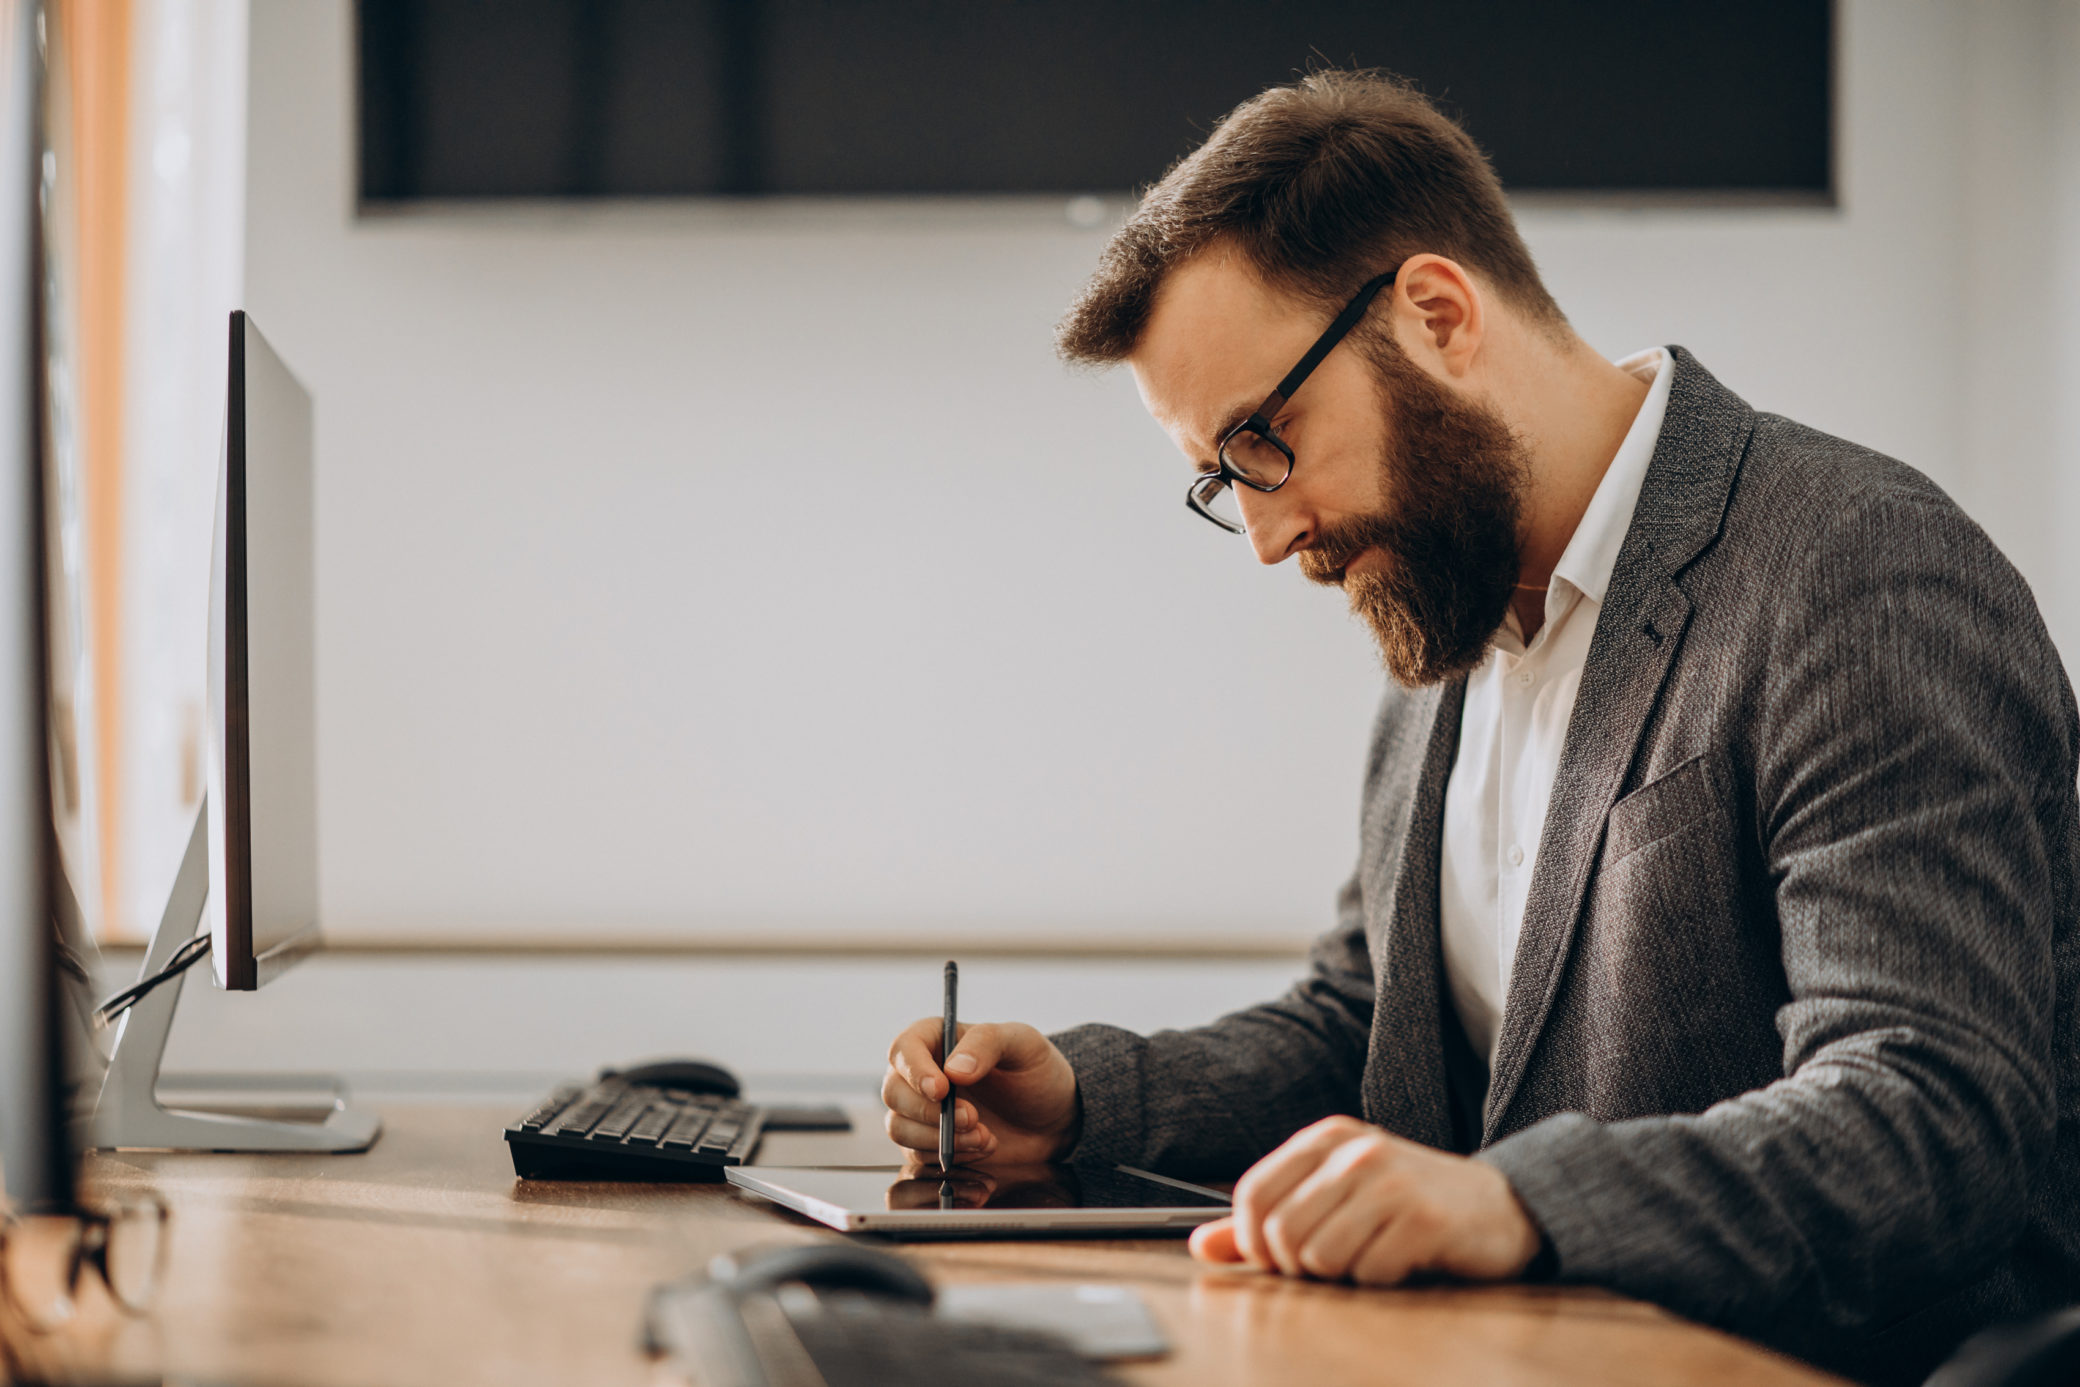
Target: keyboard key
[581,1118]
[684,1132]
[616,1124]
[653,1124]
[550,1106]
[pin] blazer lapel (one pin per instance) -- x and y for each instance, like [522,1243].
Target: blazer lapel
[1681,505]
[1405,1082]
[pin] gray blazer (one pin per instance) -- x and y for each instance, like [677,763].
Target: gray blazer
[1790,1043]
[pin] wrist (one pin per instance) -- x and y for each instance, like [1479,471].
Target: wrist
[1533,1257]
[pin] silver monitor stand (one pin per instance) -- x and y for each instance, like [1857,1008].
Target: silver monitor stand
[129,1114]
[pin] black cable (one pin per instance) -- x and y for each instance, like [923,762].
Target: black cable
[184,958]
[69,961]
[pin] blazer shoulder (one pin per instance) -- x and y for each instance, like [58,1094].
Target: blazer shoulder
[1824,524]
[1802,493]
[1817,475]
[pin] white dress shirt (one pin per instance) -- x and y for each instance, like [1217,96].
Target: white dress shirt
[1518,701]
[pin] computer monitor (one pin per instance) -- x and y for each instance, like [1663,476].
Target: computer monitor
[251,868]
[262,764]
[36,1163]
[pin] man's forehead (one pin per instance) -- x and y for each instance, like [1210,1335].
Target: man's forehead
[1218,339]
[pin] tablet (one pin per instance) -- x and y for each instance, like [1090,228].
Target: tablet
[1045,1200]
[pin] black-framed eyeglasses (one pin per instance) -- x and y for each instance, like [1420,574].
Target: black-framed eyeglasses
[1252,454]
[44,1256]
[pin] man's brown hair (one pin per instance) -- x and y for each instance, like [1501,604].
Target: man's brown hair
[1321,185]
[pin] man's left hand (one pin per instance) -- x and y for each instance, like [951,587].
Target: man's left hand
[1345,1199]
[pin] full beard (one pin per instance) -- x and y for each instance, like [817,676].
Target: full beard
[1454,478]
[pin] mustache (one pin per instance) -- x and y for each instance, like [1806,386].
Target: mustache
[1336,548]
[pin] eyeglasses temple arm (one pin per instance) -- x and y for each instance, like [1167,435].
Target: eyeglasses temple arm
[1326,343]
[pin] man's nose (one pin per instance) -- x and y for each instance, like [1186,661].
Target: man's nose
[1277,526]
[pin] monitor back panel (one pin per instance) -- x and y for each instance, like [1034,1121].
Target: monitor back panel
[263,757]
[35,1166]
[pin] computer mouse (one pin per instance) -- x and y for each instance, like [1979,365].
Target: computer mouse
[687,1076]
[826,1266]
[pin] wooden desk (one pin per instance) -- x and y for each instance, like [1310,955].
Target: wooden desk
[425,1261]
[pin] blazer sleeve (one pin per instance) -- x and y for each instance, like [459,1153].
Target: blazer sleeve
[1914,769]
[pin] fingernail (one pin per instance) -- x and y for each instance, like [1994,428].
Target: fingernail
[961,1064]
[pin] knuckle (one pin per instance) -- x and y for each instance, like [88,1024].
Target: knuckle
[1379,1264]
[1316,1261]
[1367,1155]
[1374,1272]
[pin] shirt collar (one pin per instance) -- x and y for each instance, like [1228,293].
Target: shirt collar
[1592,551]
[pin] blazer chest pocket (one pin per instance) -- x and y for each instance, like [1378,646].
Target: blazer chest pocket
[1660,809]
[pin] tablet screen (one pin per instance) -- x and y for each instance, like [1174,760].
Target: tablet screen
[879,1188]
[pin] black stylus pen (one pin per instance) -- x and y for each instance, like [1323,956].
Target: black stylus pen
[947,1040]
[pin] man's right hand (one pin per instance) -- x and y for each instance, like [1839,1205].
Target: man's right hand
[1017,1101]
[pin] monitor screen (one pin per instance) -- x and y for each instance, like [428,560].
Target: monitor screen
[262,766]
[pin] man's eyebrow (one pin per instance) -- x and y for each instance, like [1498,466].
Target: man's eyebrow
[1234,417]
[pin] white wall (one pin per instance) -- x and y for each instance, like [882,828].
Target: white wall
[688,570]
[183,275]
[503,1028]
[721,570]
[2058,42]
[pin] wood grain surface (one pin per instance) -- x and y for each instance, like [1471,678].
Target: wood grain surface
[425,1261]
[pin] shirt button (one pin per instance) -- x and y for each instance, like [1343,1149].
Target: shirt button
[1515,855]
[1525,678]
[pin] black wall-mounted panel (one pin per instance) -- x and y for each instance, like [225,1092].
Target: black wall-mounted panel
[549,98]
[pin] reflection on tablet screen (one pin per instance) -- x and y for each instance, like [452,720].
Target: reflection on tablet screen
[1025,1187]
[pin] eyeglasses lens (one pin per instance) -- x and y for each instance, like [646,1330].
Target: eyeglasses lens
[1217,498]
[136,1253]
[39,1261]
[1256,457]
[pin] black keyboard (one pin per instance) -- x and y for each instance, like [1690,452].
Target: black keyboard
[610,1129]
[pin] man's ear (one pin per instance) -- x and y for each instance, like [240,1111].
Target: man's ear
[1438,314]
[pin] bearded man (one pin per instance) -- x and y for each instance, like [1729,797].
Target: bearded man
[1712,936]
